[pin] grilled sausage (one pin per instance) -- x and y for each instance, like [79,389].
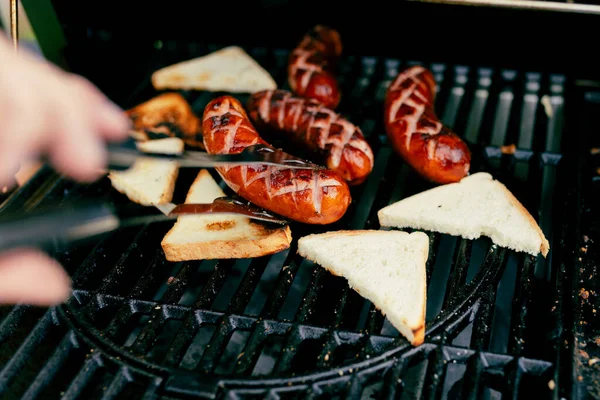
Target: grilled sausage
[319,129]
[311,66]
[303,195]
[416,133]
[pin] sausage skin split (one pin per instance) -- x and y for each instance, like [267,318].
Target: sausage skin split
[311,66]
[416,133]
[317,128]
[303,195]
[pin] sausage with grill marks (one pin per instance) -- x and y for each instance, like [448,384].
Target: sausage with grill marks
[316,127]
[303,195]
[311,66]
[416,133]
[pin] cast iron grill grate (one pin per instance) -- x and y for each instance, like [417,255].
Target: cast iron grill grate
[281,327]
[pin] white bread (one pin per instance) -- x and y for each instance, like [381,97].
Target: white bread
[230,69]
[385,267]
[219,236]
[164,146]
[476,206]
[150,182]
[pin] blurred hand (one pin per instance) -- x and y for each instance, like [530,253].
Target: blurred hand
[46,111]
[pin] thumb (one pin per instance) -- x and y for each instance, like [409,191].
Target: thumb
[31,277]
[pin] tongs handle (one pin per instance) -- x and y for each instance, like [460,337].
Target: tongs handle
[55,225]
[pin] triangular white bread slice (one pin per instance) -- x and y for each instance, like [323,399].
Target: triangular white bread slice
[385,267]
[150,182]
[219,236]
[230,69]
[476,206]
[147,182]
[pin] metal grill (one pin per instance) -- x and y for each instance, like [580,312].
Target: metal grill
[280,326]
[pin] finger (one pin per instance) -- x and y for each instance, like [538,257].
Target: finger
[31,277]
[112,123]
[21,133]
[78,150]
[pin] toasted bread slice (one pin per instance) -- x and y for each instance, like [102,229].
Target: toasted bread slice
[219,236]
[163,146]
[166,115]
[385,267]
[230,69]
[148,182]
[476,206]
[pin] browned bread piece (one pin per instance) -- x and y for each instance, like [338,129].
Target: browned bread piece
[219,236]
[166,115]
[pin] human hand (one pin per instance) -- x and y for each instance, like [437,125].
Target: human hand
[46,111]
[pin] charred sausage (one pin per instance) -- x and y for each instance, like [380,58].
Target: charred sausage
[416,133]
[319,129]
[303,195]
[311,66]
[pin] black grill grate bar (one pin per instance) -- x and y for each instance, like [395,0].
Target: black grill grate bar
[183,339]
[434,242]
[520,307]
[286,277]
[480,101]
[78,384]
[143,288]
[528,111]
[309,300]
[458,272]
[217,345]
[392,385]
[125,266]
[549,177]
[436,374]
[251,354]
[214,284]
[456,96]
[471,389]
[108,245]
[118,383]
[11,321]
[52,366]
[248,285]
[21,356]
[482,326]
[187,330]
[149,333]
[556,122]
[502,114]
[153,386]
[288,351]
[150,279]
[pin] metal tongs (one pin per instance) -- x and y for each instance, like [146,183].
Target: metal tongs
[123,155]
[64,223]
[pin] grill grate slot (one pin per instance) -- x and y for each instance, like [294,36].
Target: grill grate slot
[282,327]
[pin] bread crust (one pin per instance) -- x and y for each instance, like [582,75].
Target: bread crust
[273,241]
[262,239]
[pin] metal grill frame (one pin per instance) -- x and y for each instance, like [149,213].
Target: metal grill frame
[522,364]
